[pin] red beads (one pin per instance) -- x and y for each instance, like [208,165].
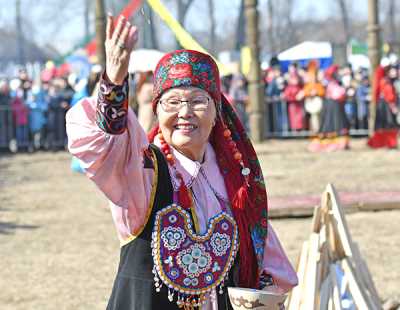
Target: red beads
[232,145]
[227,133]
[237,156]
[170,158]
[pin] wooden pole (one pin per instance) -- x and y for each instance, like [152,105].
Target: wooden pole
[256,94]
[100,33]
[373,54]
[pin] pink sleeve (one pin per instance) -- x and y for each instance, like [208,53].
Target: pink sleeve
[277,265]
[114,163]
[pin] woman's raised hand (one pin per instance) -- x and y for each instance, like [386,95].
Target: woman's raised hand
[120,40]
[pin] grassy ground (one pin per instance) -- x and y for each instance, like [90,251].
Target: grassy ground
[59,249]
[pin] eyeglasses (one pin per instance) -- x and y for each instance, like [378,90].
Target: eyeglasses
[175,104]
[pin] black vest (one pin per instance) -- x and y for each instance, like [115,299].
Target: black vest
[134,284]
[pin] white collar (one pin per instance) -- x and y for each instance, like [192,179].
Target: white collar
[189,168]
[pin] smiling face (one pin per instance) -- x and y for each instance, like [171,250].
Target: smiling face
[187,130]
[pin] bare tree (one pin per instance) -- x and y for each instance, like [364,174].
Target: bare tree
[270,27]
[291,38]
[211,13]
[240,28]
[392,21]
[86,15]
[148,27]
[345,20]
[182,7]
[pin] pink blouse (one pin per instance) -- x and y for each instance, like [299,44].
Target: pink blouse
[115,164]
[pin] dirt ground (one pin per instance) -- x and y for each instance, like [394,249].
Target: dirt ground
[59,250]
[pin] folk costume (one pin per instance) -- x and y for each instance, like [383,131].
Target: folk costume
[333,134]
[188,229]
[314,93]
[293,95]
[386,128]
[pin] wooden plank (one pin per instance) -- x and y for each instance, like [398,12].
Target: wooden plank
[317,220]
[359,295]
[342,226]
[297,292]
[364,276]
[335,240]
[311,276]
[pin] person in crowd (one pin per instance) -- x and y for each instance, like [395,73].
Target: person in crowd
[314,93]
[38,106]
[60,93]
[274,94]
[5,114]
[350,105]
[188,200]
[26,82]
[363,99]
[240,96]
[334,131]
[386,127]
[144,94]
[20,117]
[294,96]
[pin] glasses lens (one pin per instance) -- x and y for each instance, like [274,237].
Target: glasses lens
[199,103]
[172,104]
[175,104]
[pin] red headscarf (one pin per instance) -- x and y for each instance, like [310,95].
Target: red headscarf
[247,195]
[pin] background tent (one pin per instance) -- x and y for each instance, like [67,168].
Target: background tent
[304,52]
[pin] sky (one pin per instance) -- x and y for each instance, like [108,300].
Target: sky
[45,28]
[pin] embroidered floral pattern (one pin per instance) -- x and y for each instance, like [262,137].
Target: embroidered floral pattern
[187,68]
[220,243]
[194,260]
[112,107]
[172,237]
[188,263]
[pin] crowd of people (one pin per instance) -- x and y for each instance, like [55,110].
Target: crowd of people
[298,102]
[325,104]
[32,113]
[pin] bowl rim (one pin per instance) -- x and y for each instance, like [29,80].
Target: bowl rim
[252,290]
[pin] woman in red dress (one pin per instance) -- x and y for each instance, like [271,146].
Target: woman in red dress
[386,128]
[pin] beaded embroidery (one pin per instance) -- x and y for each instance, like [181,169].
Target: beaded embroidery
[189,264]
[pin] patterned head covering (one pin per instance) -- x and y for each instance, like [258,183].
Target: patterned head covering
[186,68]
[246,192]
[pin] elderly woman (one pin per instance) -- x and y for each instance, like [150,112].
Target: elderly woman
[189,201]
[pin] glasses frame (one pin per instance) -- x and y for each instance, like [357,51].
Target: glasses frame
[182,102]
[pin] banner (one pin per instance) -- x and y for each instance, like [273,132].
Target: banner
[245,60]
[183,37]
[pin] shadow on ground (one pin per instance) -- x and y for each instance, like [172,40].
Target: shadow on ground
[8,228]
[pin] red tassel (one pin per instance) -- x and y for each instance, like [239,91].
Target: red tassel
[239,201]
[248,270]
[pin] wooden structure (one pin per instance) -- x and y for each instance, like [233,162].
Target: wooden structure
[332,272]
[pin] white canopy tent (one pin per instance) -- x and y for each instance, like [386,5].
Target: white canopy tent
[306,51]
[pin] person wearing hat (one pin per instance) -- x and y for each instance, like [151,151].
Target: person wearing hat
[385,127]
[333,134]
[188,200]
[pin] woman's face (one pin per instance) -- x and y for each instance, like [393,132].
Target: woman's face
[188,128]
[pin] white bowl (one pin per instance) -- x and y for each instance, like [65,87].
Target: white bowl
[247,298]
